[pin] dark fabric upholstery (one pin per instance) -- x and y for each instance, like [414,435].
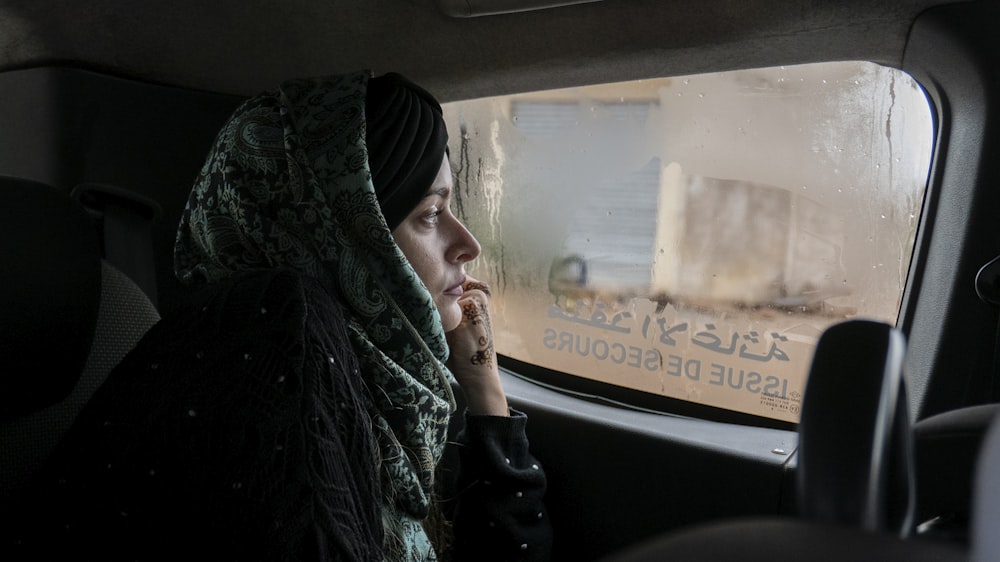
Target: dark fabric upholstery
[67,319]
[51,282]
[125,314]
[986,501]
[946,446]
[786,539]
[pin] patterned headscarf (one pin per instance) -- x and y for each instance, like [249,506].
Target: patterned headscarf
[288,183]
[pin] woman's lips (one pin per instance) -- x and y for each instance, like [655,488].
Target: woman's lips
[456,290]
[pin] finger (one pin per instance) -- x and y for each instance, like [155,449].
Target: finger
[474,296]
[477,320]
[472,284]
[475,308]
[476,311]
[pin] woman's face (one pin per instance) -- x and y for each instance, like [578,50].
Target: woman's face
[438,246]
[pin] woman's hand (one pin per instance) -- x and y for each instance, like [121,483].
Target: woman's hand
[472,359]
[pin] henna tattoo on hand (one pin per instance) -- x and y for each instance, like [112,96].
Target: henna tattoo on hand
[476,313]
[478,285]
[483,357]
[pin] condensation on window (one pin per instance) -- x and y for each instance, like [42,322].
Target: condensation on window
[692,237]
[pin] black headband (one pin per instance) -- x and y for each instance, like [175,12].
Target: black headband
[406,140]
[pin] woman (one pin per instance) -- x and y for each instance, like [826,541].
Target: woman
[388,246]
[299,408]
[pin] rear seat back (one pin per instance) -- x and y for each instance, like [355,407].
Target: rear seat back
[986,496]
[67,318]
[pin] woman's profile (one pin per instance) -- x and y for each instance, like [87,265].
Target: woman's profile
[299,407]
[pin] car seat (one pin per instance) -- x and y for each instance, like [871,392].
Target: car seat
[854,474]
[67,317]
[986,501]
[946,446]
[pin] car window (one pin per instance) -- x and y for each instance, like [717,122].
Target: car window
[692,236]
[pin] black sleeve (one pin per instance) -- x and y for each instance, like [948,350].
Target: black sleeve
[500,515]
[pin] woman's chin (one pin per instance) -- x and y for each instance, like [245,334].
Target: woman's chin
[451,316]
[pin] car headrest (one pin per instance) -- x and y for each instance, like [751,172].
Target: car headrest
[50,287]
[855,465]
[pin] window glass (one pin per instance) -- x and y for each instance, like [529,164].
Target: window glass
[691,237]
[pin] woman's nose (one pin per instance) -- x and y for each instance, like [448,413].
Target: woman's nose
[465,247]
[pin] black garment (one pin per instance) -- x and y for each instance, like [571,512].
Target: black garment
[500,514]
[236,430]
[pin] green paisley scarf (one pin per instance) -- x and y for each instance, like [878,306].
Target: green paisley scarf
[287,183]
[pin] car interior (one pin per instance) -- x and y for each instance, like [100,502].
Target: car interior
[108,109]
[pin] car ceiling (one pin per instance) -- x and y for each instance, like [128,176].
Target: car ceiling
[244,46]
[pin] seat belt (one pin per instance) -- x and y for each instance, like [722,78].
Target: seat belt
[126,222]
[988,289]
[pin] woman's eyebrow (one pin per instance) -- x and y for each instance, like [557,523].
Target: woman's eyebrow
[440,192]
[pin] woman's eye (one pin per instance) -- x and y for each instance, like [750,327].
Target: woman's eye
[432,215]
